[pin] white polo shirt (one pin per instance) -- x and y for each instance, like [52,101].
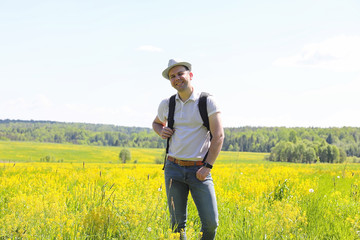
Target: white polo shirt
[191,140]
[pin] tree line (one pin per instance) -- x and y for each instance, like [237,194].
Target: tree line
[265,139]
[79,133]
[244,139]
[305,151]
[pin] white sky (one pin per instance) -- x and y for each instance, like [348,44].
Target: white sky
[267,63]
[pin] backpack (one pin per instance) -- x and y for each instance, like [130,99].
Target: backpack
[203,113]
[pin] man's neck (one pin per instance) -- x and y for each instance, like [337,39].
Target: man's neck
[185,95]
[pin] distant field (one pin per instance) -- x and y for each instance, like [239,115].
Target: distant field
[33,152]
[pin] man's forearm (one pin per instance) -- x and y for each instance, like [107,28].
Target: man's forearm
[157,127]
[215,148]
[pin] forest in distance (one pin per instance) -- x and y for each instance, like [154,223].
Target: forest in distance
[243,139]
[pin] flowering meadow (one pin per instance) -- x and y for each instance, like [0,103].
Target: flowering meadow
[256,200]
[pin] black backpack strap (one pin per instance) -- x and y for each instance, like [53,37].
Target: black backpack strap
[170,121]
[204,114]
[203,109]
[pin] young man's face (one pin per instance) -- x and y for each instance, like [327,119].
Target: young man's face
[180,78]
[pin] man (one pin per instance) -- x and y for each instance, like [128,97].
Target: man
[189,143]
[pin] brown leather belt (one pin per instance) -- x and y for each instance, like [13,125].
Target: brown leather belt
[185,163]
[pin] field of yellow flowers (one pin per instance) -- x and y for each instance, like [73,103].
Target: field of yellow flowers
[127,201]
[90,195]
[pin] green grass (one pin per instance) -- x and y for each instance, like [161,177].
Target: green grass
[68,153]
[241,157]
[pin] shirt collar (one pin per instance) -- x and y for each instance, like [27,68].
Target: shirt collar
[194,95]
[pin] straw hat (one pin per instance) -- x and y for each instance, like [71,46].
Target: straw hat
[173,63]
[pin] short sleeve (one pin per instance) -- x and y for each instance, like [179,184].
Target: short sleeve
[163,110]
[212,107]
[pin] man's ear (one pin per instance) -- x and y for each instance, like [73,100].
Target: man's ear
[191,75]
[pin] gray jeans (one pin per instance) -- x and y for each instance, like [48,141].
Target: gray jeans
[179,180]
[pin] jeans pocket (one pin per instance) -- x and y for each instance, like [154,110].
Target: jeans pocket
[171,169]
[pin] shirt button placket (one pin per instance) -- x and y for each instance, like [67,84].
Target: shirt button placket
[181,109]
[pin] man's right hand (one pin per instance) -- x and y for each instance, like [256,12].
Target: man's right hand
[161,129]
[166,132]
